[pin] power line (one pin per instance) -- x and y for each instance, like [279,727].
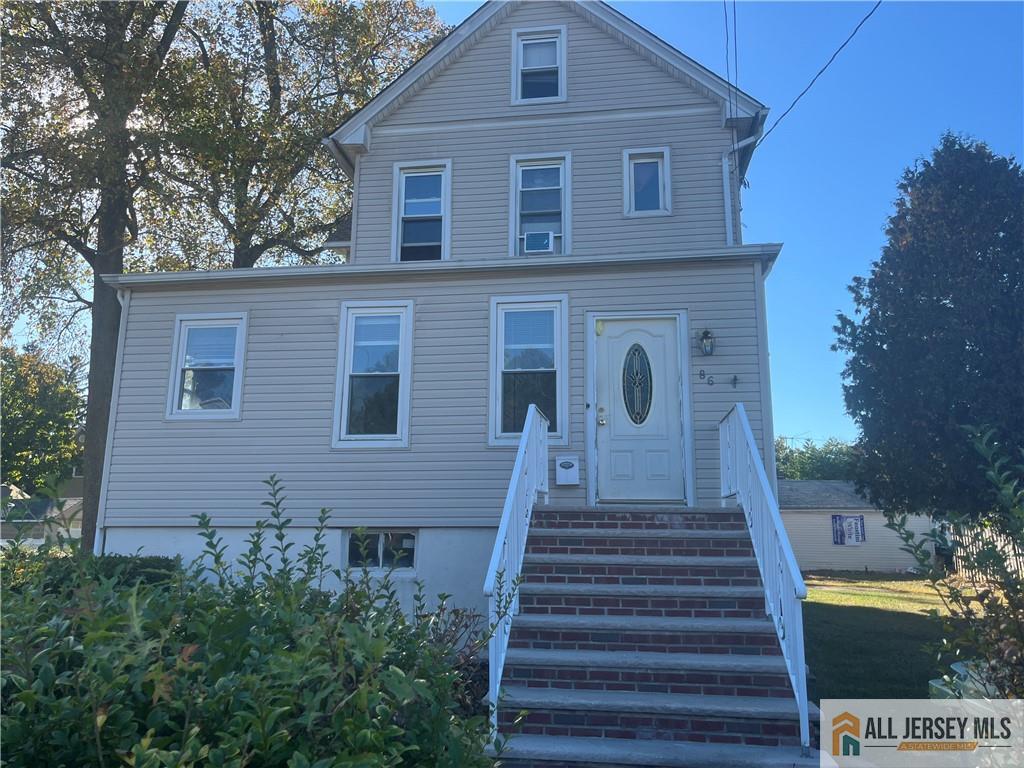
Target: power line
[820,72]
[728,71]
[735,50]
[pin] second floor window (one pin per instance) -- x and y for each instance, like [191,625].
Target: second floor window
[206,378]
[539,71]
[646,182]
[541,202]
[422,210]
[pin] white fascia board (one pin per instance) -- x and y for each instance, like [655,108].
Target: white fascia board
[352,133]
[766,252]
[747,105]
[348,132]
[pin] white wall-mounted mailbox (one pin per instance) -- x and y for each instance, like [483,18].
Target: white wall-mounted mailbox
[567,470]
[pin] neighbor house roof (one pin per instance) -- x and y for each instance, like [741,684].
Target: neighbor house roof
[746,112]
[819,494]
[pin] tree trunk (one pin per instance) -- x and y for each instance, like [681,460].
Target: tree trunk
[106,318]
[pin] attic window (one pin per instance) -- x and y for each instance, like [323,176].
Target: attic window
[539,71]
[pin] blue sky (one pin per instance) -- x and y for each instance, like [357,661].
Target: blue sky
[824,182]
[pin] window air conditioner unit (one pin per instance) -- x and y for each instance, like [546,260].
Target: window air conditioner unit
[539,242]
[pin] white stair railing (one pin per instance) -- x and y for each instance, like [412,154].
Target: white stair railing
[529,479]
[744,478]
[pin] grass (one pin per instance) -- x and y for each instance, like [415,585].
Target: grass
[870,635]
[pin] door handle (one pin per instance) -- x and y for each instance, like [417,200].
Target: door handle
[601,420]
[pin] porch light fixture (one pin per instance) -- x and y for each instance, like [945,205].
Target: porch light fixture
[706,342]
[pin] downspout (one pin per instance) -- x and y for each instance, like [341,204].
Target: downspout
[124,297]
[727,187]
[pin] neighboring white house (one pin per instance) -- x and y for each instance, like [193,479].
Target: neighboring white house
[549,189]
[810,509]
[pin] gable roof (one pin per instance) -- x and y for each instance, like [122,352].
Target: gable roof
[746,112]
[820,494]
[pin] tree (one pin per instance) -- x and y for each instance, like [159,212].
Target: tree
[832,460]
[76,144]
[42,415]
[936,341]
[250,93]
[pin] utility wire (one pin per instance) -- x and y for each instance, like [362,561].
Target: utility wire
[728,70]
[820,73]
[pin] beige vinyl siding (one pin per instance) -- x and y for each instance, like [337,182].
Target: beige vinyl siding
[602,73]
[617,100]
[810,533]
[162,472]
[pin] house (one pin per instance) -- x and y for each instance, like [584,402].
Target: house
[811,510]
[546,298]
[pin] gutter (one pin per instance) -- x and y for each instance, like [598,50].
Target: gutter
[730,238]
[765,252]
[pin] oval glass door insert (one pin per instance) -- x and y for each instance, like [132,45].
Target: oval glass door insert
[637,384]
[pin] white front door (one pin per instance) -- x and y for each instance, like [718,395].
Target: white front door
[639,410]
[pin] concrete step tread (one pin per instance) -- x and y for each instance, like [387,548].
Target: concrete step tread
[738,707]
[646,660]
[650,753]
[637,533]
[642,623]
[680,561]
[638,508]
[640,590]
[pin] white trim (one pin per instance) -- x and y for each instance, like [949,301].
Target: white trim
[442,54]
[556,32]
[764,366]
[124,296]
[514,164]
[563,117]
[349,309]
[240,321]
[405,571]
[444,167]
[763,251]
[681,316]
[354,216]
[663,156]
[559,302]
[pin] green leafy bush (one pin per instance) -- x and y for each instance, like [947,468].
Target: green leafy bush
[984,592]
[145,662]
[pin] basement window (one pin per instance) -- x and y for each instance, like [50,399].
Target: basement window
[381,549]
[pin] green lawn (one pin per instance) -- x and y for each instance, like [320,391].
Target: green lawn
[866,634]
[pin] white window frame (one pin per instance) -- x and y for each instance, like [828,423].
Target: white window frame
[499,305]
[350,310]
[663,156]
[559,34]
[515,163]
[240,321]
[405,570]
[444,167]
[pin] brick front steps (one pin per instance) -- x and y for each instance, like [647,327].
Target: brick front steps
[642,640]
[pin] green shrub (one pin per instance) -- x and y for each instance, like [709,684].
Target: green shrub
[984,594]
[143,662]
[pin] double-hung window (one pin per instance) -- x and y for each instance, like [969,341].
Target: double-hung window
[372,408]
[422,208]
[541,202]
[206,366]
[646,182]
[530,364]
[539,65]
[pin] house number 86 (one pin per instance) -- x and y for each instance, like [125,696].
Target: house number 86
[710,379]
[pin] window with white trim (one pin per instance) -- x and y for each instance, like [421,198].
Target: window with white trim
[206,367]
[381,549]
[422,210]
[647,189]
[529,352]
[374,373]
[541,203]
[539,70]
